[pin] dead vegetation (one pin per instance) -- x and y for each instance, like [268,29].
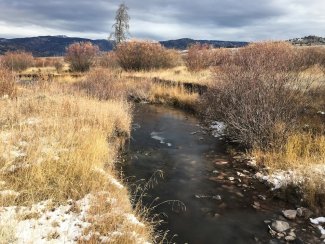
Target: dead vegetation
[60,145]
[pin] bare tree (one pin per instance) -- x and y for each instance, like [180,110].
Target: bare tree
[121,25]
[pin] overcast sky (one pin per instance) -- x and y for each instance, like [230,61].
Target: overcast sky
[166,19]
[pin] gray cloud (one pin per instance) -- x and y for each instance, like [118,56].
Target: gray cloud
[166,19]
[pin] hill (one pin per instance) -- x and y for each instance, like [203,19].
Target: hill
[47,45]
[43,46]
[308,41]
[186,42]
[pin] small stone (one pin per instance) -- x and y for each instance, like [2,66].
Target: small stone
[290,214]
[217,197]
[221,162]
[216,215]
[280,226]
[267,221]
[200,196]
[231,178]
[290,238]
[280,235]
[304,212]
[262,197]
[215,172]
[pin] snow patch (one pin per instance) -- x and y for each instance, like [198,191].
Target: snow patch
[9,193]
[279,179]
[58,225]
[31,121]
[116,183]
[218,128]
[318,221]
[133,220]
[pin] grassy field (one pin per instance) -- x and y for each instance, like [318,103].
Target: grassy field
[57,175]
[60,137]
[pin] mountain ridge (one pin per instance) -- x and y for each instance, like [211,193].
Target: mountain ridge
[42,46]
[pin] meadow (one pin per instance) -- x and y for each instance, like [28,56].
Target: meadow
[64,123]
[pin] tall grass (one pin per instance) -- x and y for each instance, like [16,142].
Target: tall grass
[60,147]
[55,143]
[8,87]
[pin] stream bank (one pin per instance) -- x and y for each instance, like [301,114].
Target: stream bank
[218,199]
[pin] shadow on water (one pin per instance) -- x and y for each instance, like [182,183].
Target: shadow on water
[218,196]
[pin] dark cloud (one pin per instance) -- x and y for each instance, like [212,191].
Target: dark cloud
[165,19]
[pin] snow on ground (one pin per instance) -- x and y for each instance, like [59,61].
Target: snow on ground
[218,128]
[318,222]
[42,223]
[280,179]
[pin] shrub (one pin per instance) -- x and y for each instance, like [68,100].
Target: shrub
[102,84]
[7,83]
[58,66]
[108,60]
[18,60]
[136,55]
[310,56]
[259,94]
[202,56]
[81,56]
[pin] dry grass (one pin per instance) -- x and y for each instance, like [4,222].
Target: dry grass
[177,74]
[60,147]
[304,153]
[300,151]
[177,96]
[8,86]
[54,143]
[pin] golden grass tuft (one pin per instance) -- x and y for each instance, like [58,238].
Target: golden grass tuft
[303,153]
[177,96]
[300,151]
[177,74]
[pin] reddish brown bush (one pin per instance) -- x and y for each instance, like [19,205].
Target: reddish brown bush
[7,83]
[18,60]
[140,55]
[102,84]
[258,94]
[81,56]
[310,56]
[47,61]
[107,60]
[202,56]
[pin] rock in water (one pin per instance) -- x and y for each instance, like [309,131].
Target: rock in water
[290,214]
[304,212]
[280,226]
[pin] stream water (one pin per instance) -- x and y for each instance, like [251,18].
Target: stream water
[218,194]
